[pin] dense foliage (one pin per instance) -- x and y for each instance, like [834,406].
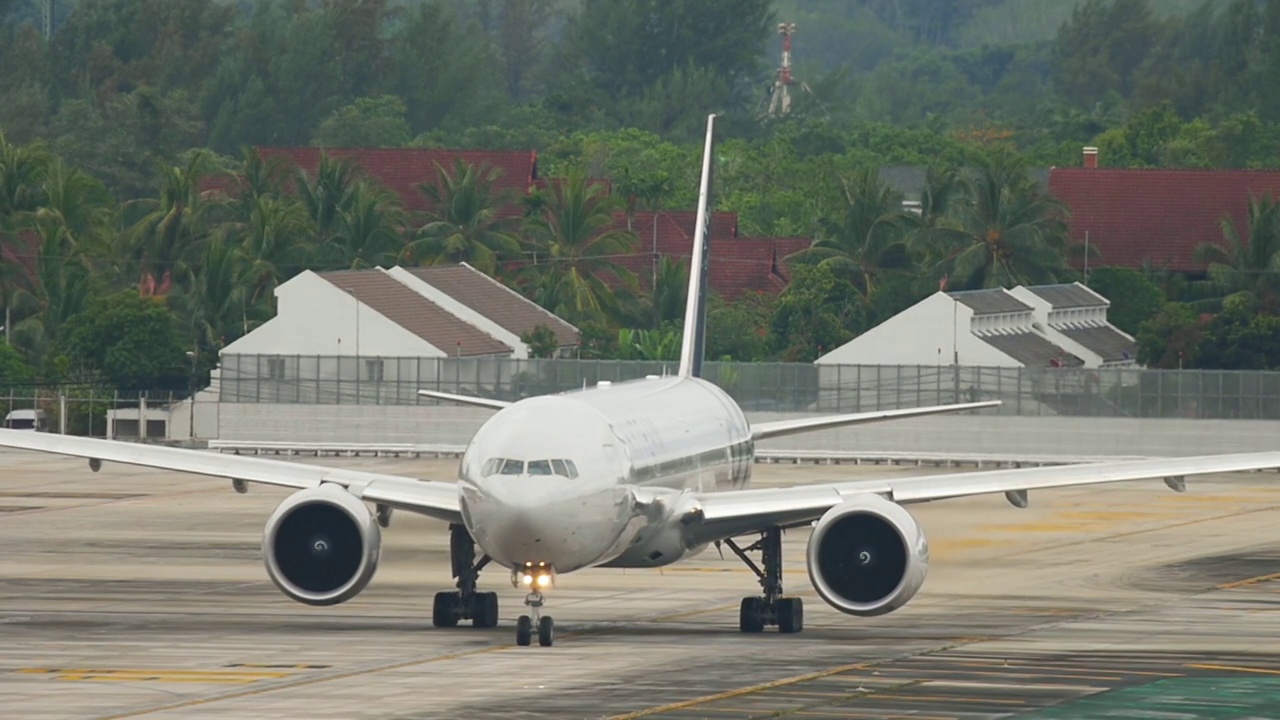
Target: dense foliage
[112,127]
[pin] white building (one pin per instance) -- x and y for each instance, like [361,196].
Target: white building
[1075,317]
[447,311]
[987,328]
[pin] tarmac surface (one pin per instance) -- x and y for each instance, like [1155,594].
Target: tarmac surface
[138,594]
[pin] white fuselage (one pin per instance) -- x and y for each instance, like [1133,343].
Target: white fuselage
[559,479]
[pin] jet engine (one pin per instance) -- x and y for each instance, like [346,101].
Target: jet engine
[867,556]
[321,545]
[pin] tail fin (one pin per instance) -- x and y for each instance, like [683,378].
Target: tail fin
[695,312]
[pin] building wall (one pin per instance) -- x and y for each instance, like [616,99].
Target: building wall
[1048,318]
[954,434]
[314,317]
[463,312]
[923,334]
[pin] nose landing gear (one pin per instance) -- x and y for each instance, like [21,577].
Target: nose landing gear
[465,603]
[534,577]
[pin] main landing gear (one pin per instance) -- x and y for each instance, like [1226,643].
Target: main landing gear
[465,603]
[772,609]
[534,577]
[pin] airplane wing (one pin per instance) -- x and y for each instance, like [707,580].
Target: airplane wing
[465,399]
[760,431]
[435,499]
[720,515]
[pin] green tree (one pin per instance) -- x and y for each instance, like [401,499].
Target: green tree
[1248,266]
[1006,233]
[865,238]
[174,223]
[1134,298]
[576,249]
[367,122]
[541,341]
[739,330]
[1171,338]
[465,222]
[1102,48]
[370,231]
[128,341]
[13,371]
[814,314]
[661,344]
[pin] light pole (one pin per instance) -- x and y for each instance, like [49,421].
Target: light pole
[191,414]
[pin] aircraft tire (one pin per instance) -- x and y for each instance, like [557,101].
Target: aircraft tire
[485,614]
[546,631]
[790,615]
[524,631]
[751,615]
[444,611]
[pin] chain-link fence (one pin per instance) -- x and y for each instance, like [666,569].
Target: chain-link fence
[783,387]
[149,415]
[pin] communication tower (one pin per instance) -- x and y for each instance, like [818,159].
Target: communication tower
[780,93]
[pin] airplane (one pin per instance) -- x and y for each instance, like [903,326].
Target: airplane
[635,474]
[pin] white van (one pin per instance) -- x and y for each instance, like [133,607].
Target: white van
[26,420]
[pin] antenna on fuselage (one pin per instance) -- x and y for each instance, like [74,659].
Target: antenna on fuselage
[695,315]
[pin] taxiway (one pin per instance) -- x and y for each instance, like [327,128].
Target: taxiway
[138,594]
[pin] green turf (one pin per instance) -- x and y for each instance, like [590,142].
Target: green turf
[1200,698]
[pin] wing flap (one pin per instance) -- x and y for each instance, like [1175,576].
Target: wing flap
[435,499]
[721,515]
[761,431]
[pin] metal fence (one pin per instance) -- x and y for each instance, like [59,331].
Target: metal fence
[782,387]
[92,412]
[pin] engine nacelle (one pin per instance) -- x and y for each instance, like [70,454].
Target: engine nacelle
[867,556]
[321,545]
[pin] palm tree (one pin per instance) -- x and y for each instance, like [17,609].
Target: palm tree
[575,242]
[176,222]
[1248,267]
[273,243]
[328,195]
[1004,233]
[23,171]
[59,290]
[867,236]
[369,232]
[465,222]
[216,299]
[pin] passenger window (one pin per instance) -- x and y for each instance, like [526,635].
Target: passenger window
[539,467]
[512,467]
[558,466]
[573,469]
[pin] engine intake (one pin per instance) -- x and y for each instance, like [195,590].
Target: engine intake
[867,556]
[321,546]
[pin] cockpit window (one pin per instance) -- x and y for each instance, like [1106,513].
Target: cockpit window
[507,466]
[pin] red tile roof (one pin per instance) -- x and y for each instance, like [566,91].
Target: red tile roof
[1159,216]
[401,170]
[738,265]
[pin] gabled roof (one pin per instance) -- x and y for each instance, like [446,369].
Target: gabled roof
[1032,350]
[401,305]
[1065,297]
[401,170]
[996,301]
[496,301]
[1106,341]
[1160,216]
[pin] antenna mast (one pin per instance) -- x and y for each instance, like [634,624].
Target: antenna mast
[780,102]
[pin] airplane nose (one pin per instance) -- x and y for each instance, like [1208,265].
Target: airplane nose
[518,524]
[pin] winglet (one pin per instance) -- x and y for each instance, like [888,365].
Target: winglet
[465,399]
[695,315]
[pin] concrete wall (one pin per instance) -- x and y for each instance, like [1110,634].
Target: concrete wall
[962,434]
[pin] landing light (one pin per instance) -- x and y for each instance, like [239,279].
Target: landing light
[528,579]
[543,580]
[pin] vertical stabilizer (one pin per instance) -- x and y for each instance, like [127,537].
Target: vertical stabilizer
[695,311]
